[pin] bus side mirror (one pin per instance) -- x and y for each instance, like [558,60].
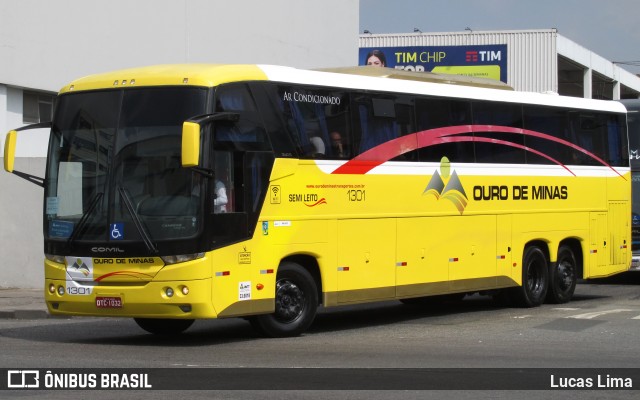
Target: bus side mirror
[10,151]
[190,144]
[191,135]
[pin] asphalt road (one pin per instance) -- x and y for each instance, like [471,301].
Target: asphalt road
[599,329]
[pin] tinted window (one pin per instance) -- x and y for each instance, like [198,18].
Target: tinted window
[248,132]
[376,119]
[318,120]
[494,142]
[439,113]
[602,135]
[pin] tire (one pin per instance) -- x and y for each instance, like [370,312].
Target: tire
[164,326]
[535,279]
[296,301]
[563,277]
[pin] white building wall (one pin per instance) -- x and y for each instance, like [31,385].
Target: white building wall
[45,44]
[49,43]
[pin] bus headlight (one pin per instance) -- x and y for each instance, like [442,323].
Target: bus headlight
[55,258]
[181,258]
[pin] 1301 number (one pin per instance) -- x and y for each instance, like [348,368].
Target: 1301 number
[357,195]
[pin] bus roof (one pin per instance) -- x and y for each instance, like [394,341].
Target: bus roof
[208,75]
[364,78]
[214,74]
[393,73]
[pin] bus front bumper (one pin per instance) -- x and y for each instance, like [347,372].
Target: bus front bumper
[150,300]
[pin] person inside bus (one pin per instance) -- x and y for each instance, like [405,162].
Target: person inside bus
[220,199]
[318,147]
[376,58]
[337,147]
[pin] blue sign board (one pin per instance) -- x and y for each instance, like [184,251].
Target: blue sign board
[482,61]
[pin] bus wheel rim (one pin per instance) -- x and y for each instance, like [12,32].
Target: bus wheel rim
[290,302]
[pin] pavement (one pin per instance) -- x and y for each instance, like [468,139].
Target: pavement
[22,304]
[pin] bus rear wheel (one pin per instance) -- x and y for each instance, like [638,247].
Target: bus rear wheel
[296,303]
[535,279]
[164,326]
[563,277]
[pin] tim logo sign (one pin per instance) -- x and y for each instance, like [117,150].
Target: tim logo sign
[474,56]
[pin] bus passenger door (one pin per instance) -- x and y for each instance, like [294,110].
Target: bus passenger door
[366,259]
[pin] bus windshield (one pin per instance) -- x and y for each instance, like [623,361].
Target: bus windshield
[114,171]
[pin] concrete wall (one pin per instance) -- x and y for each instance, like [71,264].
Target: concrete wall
[45,44]
[48,43]
[21,245]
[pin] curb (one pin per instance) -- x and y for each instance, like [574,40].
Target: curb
[25,314]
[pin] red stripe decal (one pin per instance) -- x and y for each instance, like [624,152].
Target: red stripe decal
[378,155]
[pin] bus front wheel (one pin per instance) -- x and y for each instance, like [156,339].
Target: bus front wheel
[296,303]
[164,326]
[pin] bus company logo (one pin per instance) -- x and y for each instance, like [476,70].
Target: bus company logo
[309,199]
[447,185]
[79,265]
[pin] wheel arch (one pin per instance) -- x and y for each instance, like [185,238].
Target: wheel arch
[541,244]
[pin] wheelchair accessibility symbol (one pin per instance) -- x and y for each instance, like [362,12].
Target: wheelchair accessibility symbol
[117,231]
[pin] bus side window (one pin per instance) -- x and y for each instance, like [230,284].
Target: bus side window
[548,121]
[270,107]
[377,117]
[246,134]
[316,119]
[434,113]
[339,127]
[509,148]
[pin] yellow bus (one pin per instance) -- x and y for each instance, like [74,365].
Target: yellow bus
[182,192]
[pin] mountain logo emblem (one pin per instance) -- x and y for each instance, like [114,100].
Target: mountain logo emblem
[79,265]
[446,185]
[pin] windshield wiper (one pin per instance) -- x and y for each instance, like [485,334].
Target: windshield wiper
[136,220]
[85,217]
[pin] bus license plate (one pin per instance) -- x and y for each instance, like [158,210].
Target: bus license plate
[108,302]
